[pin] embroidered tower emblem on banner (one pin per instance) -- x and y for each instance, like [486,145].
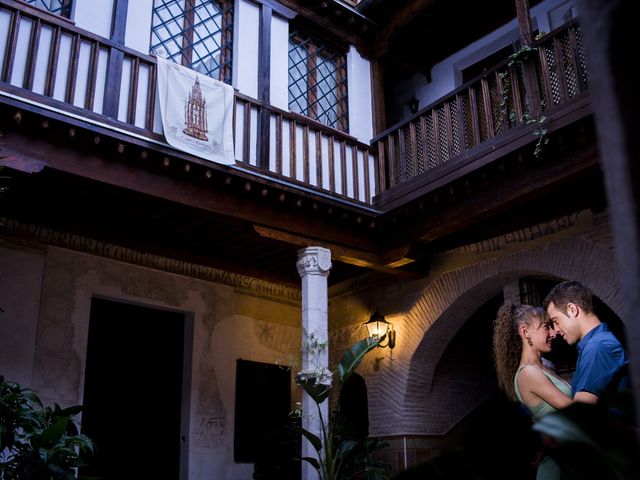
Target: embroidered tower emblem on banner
[195,113]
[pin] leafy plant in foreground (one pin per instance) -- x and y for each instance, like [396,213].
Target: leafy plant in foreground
[37,442]
[341,457]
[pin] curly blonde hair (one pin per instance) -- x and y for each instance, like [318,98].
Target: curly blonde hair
[507,343]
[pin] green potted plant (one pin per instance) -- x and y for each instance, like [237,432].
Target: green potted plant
[338,456]
[37,442]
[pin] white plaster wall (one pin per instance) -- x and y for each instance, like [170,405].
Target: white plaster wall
[138,32]
[359,92]
[246,48]
[445,75]
[279,81]
[20,282]
[228,325]
[242,337]
[95,16]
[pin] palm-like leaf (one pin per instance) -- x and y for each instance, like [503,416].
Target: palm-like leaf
[354,355]
[317,391]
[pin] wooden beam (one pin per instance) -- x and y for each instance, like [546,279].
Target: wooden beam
[498,200]
[524,22]
[119,21]
[341,253]
[116,60]
[264,85]
[221,200]
[324,23]
[377,99]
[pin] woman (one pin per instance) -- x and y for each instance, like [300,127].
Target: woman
[521,334]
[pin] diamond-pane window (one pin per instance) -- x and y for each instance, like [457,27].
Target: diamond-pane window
[317,81]
[59,7]
[195,33]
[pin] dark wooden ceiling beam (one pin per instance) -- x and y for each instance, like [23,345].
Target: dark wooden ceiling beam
[326,19]
[505,196]
[340,253]
[216,199]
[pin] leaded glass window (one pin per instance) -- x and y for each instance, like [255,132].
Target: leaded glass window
[317,81]
[59,7]
[195,33]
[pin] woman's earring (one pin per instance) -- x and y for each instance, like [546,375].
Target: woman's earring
[529,342]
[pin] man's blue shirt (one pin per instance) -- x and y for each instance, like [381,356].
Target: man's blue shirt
[602,365]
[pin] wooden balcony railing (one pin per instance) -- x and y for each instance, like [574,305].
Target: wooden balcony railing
[46,59]
[515,93]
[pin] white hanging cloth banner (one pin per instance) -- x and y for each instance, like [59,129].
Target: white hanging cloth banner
[196,111]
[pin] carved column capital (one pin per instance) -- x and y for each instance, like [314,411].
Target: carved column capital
[314,261]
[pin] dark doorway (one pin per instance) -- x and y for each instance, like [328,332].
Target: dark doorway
[263,403]
[133,391]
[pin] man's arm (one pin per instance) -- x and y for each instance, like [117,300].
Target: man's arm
[586,397]
[598,364]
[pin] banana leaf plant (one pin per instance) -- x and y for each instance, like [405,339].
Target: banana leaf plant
[333,451]
[37,442]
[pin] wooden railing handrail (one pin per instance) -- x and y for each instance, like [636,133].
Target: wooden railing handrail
[66,24]
[351,140]
[56,20]
[436,103]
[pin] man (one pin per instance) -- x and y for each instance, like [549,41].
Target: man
[602,366]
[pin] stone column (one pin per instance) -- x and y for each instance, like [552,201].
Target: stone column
[313,265]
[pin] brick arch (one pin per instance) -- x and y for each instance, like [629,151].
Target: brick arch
[447,302]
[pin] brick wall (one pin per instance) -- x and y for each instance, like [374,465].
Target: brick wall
[406,396]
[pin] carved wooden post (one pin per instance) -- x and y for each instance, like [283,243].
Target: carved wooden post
[529,66]
[313,265]
[524,22]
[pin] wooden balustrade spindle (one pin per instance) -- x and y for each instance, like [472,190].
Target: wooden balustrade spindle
[449,129]
[133,91]
[10,52]
[318,158]
[278,139]
[343,166]
[332,168]
[562,77]
[305,154]
[575,59]
[367,181]
[52,68]
[475,119]
[32,55]
[515,93]
[92,77]
[356,178]
[246,133]
[436,136]
[402,158]
[151,98]
[486,101]
[72,72]
[381,178]
[413,149]
[292,149]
